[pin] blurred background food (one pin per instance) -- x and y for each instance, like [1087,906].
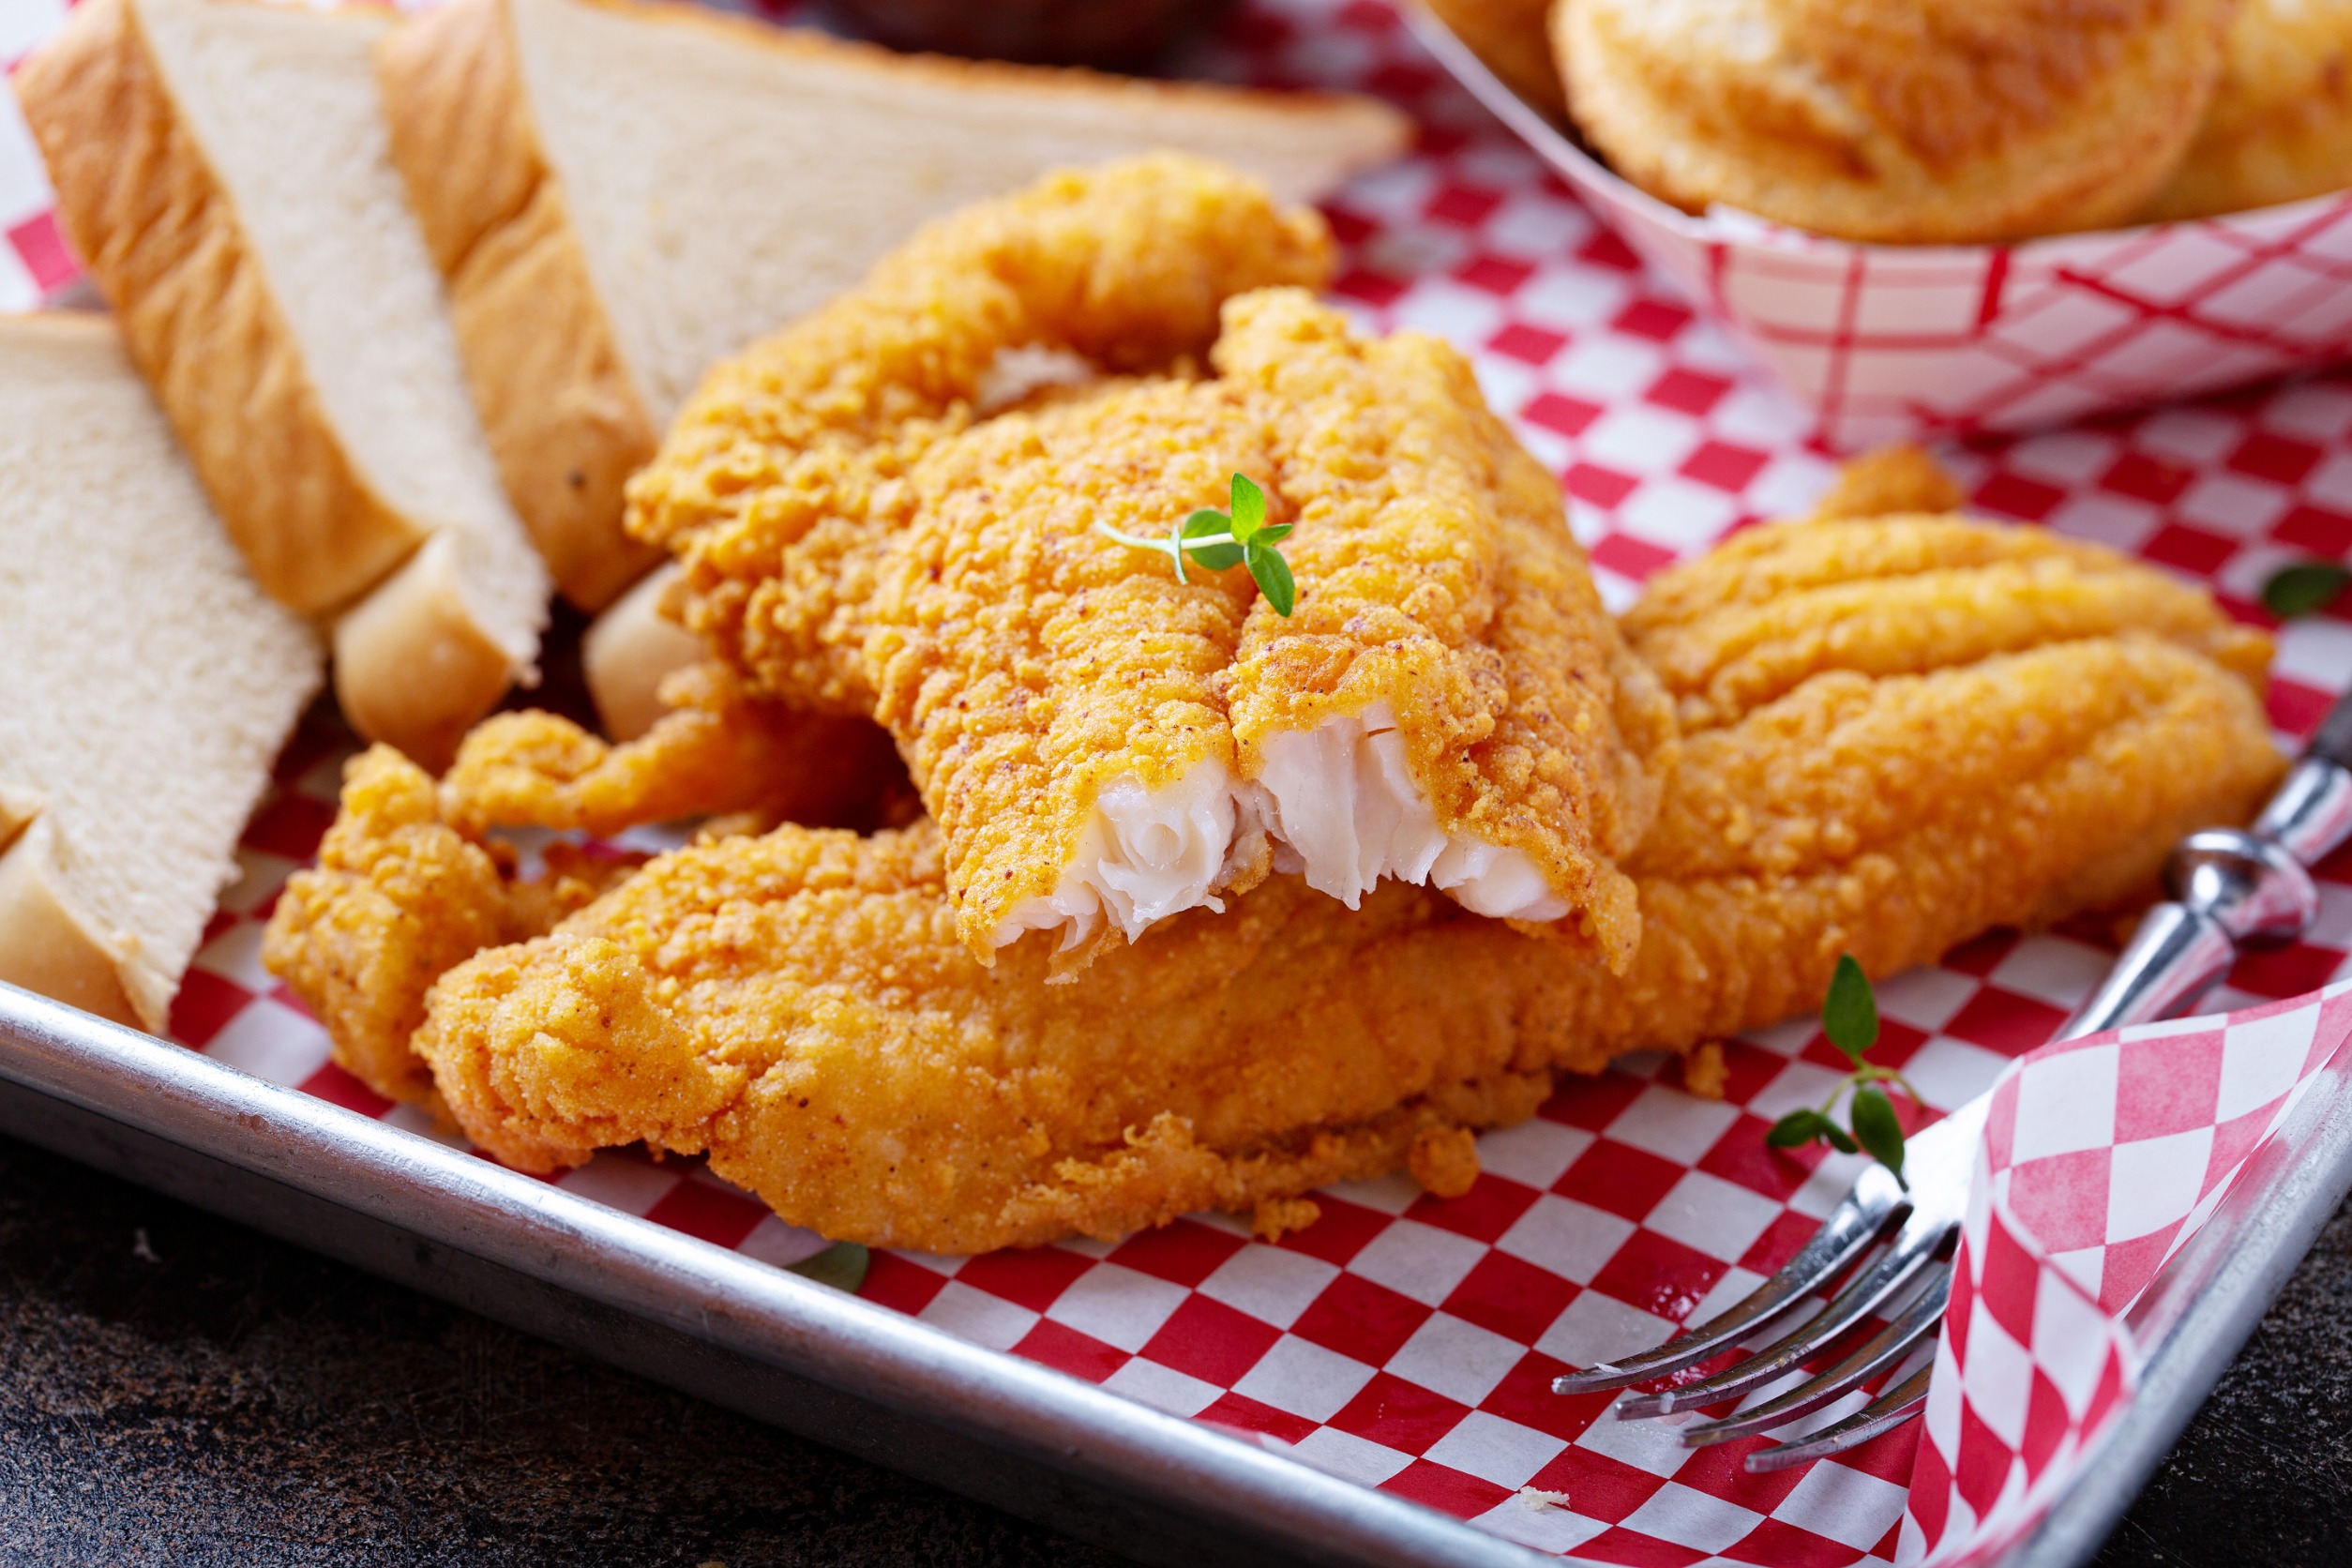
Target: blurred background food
[1940,121]
[1107,35]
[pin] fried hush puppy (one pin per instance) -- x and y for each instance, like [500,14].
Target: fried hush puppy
[800,1005]
[1904,122]
[785,474]
[1104,743]
[2279,126]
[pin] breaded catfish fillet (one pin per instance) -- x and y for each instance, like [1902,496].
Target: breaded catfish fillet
[1773,606]
[395,899]
[1450,702]
[1058,695]
[783,475]
[1103,745]
[715,752]
[800,1005]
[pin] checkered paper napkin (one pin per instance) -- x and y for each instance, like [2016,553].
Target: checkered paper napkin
[1403,1342]
[2099,1159]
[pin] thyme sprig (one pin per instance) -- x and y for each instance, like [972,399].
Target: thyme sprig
[1219,540]
[1850,1017]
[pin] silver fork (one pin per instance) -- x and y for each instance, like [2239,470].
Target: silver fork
[2229,887]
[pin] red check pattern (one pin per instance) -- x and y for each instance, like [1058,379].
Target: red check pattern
[1400,1341]
[2101,1157]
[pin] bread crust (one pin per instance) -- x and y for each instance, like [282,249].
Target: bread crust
[564,412]
[47,947]
[564,419]
[1931,122]
[154,223]
[630,650]
[413,668]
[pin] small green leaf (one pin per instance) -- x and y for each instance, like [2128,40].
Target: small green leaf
[1272,574]
[1277,533]
[1796,1128]
[1850,1016]
[1249,508]
[2302,588]
[1874,1124]
[842,1265]
[1835,1136]
[1217,557]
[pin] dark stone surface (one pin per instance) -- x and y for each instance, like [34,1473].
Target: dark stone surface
[175,1389]
[2263,1475]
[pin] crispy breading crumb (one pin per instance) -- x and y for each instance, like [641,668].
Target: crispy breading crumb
[1276,1218]
[1444,1160]
[1704,1071]
[1888,482]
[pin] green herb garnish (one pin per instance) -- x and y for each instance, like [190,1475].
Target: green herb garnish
[1850,1018]
[1219,540]
[842,1265]
[2302,588]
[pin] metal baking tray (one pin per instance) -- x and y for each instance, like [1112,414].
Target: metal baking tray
[864,1378]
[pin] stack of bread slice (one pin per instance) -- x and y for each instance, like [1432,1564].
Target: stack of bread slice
[224,171]
[150,682]
[622,194]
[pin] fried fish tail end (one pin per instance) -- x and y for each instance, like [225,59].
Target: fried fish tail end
[397,897]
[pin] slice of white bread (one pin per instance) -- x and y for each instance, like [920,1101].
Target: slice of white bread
[620,194]
[223,168]
[150,682]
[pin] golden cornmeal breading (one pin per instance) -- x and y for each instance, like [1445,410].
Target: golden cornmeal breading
[783,475]
[1437,577]
[718,751]
[1775,605]
[1894,121]
[800,1006]
[1888,481]
[397,897]
[2279,126]
[1025,661]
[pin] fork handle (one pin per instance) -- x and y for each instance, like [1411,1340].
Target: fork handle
[2231,887]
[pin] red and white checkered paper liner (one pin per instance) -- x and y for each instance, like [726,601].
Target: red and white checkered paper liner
[1408,1343]
[1891,342]
[2101,1157]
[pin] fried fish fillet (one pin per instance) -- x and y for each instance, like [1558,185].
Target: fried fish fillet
[1104,744]
[785,474]
[800,1006]
[395,899]
[717,750]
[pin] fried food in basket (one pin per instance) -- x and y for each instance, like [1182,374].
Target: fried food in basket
[1894,121]
[2279,126]
[784,477]
[800,1007]
[1509,37]
[1105,744]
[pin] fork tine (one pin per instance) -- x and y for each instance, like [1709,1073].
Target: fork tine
[1848,1231]
[1874,1355]
[1890,1410]
[1913,1248]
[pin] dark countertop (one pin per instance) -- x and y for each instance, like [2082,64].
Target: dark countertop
[176,1389]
